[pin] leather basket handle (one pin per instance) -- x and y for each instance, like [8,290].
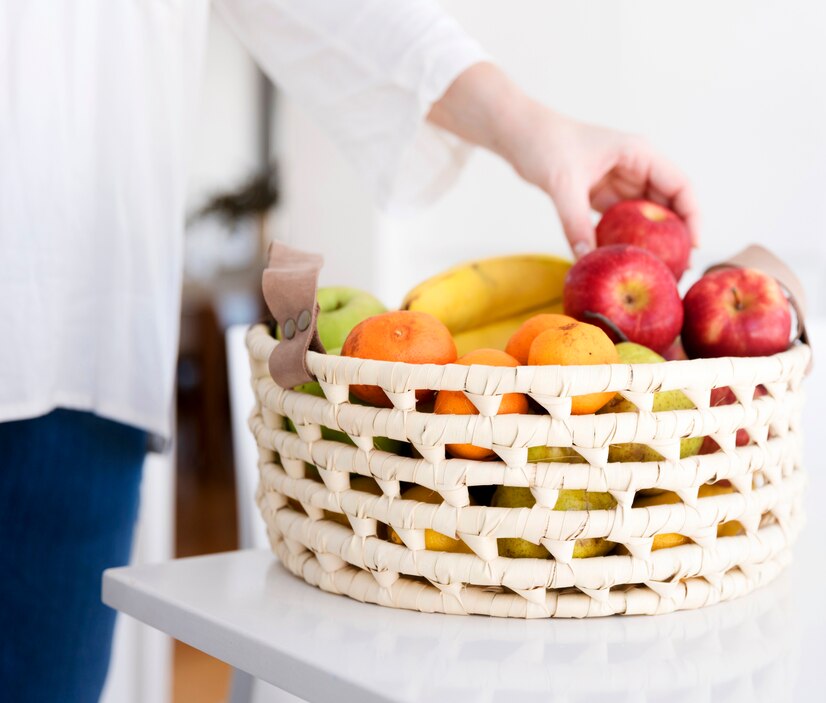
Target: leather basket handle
[289,283]
[757,257]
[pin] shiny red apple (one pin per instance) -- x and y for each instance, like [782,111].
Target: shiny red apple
[735,312]
[651,227]
[627,289]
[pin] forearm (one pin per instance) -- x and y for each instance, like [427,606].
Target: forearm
[483,107]
[579,165]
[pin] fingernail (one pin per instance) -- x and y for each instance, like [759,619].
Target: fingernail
[581,249]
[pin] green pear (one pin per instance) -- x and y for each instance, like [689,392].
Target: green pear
[341,309]
[563,455]
[569,499]
[632,353]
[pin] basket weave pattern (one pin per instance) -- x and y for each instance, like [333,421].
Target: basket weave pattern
[358,561]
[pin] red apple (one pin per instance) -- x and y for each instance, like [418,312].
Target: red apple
[725,396]
[650,226]
[736,312]
[625,288]
[675,352]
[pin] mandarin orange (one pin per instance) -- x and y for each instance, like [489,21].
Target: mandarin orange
[401,335]
[519,345]
[576,344]
[457,403]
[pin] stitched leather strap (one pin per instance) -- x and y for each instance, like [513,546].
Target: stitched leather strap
[290,282]
[760,258]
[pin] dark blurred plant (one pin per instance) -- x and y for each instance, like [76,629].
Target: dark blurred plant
[256,196]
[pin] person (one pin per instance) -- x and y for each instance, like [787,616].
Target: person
[98,99]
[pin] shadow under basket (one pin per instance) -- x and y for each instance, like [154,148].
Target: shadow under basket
[326,528]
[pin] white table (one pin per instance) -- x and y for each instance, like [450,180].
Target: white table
[245,609]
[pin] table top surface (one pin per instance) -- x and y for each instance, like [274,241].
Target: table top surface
[246,609]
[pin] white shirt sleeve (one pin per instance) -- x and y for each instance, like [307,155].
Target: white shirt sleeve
[369,71]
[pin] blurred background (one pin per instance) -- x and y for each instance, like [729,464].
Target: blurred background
[733,92]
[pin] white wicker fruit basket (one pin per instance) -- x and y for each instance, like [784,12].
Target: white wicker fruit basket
[305,490]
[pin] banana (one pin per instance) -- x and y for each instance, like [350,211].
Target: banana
[496,334]
[475,295]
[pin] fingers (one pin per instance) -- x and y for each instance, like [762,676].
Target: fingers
[574,209]
[685,205]
[669,186]
[642,172]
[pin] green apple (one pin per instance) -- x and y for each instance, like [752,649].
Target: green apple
[518,497]
[341,309]
[385,444]
[631,353]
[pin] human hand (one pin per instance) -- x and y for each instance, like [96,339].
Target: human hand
[581,166]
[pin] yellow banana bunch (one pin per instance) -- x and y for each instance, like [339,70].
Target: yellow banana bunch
[483,303]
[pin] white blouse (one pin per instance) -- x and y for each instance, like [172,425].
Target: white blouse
[96,102]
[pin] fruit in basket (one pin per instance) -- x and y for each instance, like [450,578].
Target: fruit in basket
[402,335]
[725,396]
[313,387]
[672,539]
[483,302]
[496,334]
[518,497]
[631,353]
[628,292]
[649,226]
[457,403]
[576,343]
[675,352]
[340,309]
[736,312]
[563,455]
[385,444]
[365,484]
[434,541]
[519,344]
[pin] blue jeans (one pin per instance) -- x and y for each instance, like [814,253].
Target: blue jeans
[69,490]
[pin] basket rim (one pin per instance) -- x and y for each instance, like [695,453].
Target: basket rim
[796,347]
[552,380]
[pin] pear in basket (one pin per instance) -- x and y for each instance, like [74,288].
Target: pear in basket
[365,484]
[672,539]
[518,497]
[631,353]
[562,455]
[434,541]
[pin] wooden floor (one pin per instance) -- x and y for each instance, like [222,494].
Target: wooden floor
[198,677]
[205,510]
[206,524]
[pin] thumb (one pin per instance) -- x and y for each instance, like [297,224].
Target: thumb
[574,210]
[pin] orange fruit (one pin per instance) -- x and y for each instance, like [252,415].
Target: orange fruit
[519,345]
[402,335]
[576,344]
[457,403]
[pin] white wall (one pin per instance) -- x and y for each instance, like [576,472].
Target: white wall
[323,206]
[732,91]
[225,143]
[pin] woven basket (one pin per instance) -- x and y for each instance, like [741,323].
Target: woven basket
[305,481]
